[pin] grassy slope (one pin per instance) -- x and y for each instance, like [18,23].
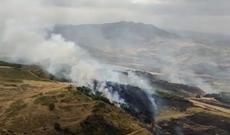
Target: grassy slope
[16,74]
[23,72]
[33,106]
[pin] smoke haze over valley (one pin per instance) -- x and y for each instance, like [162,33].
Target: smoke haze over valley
[176,57]
[137,67]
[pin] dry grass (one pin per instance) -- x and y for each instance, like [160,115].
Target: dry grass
[29,110]
[16,74]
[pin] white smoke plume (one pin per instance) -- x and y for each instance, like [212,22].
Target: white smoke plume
[204,64]
[176,63]
[24,38]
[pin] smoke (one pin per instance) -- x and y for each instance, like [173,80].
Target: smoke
[203,63]
[194,63]
[177,63]
[179,60]
[24,38]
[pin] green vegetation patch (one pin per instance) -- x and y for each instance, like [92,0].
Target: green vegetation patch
[169,96]
[95,96]
[45,100]
[2,63]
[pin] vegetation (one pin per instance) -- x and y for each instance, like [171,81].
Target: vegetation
[168,100]
[98,125]
[97,96]
[45,100]
[2,63]
[169,95]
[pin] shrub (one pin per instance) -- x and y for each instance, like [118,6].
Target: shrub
[97,96]
[57,127]
[45,100]
[51,106]
[85,90]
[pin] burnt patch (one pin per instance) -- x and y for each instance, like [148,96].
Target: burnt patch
[197,124]
[137,101]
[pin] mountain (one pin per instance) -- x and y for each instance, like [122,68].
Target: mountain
[196,59]
[111,34]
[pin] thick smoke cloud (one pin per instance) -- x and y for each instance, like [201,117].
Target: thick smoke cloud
[24,38]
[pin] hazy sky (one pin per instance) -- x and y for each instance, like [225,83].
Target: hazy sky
[196,15]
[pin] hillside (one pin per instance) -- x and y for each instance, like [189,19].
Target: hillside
[31,105]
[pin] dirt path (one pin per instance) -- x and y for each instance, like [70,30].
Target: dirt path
[171,114]
[209,106]
[42,87]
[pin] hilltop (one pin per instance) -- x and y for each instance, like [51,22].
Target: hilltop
[32,103]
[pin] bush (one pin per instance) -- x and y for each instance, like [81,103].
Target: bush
[97,96]
[62,131]
[101,98]
[57,127]
[51,106]
[45,100]
[85,90]
[170,96]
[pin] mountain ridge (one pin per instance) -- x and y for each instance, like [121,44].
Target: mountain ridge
[118,31]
